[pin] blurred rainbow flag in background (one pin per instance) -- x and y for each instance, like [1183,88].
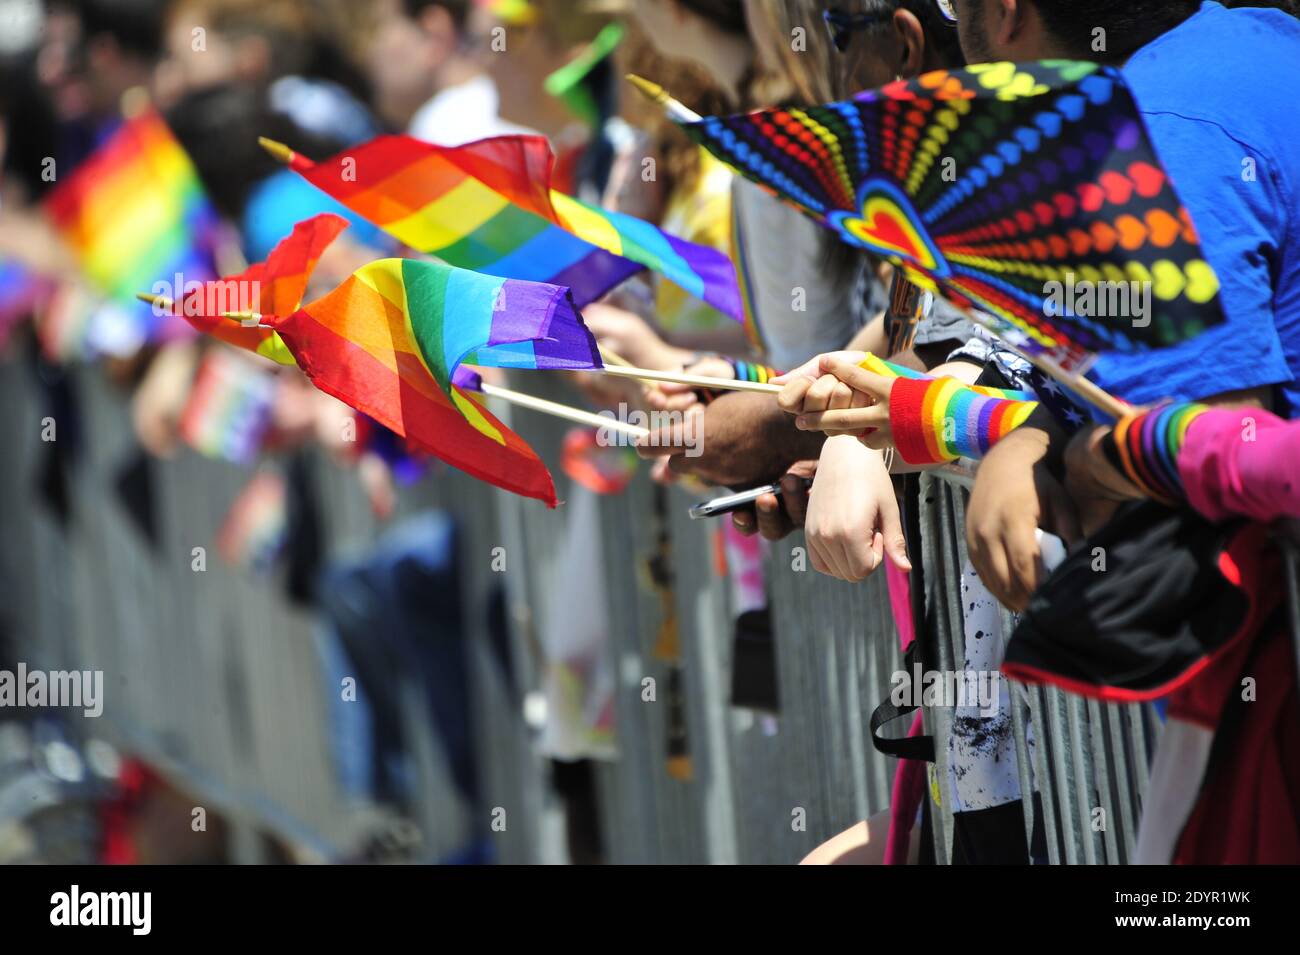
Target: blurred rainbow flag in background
[21,292]
[489,206]
[253,533]
[228,413]
[134,214]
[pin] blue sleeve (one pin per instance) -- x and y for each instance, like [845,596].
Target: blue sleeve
[1235,198]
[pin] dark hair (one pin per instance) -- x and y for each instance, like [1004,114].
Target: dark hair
[218,127]
[135,25]
[940,36]
[1129,24]
[938,32]
[728,15]
[1286,6]
[459,9]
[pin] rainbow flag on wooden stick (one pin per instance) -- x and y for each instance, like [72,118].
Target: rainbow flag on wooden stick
[273,287]
[488,206]
[389,339]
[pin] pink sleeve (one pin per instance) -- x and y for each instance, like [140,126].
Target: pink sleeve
[1242,463]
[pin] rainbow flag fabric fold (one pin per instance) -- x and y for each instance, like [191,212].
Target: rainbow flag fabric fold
[273,287]
[390,339]
[135,213]
[488,206]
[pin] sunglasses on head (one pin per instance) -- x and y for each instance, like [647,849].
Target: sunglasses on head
[841,26]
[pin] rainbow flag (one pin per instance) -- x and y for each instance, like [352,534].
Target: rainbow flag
[273,287]
[135,213]
[253,534]
[389,340]
[228,413]
[488,206]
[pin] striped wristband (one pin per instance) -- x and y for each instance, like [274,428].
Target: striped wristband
[936,420]
[748,371]
[1144,448]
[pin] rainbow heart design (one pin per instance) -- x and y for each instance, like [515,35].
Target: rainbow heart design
[888,226]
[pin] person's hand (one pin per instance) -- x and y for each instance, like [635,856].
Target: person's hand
[670,396]
[1094,485]
[853,518]
[812,369]
[160,399]
[1014,495]
[846,400]
[740,440]
[630,337]
[774,518]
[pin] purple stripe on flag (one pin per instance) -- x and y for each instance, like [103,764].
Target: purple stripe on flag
[721,289]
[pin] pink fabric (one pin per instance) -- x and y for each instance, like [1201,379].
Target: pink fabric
[904,802]
[1242,463]
[900,602]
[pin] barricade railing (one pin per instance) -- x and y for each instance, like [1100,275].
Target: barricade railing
[215,678]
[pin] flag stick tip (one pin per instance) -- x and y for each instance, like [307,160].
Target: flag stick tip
[161,301]
[279,151]
[651,91]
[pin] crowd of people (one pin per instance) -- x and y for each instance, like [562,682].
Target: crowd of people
[1173,493]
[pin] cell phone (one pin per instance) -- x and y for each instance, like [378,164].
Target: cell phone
[734,502]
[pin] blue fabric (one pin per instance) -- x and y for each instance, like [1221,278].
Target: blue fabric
[351,723]
[398,616]
[284,199]
[1217,91]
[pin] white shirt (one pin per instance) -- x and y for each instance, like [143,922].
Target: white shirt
[462,114]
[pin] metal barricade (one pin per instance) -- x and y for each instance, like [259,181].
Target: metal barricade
[214,678]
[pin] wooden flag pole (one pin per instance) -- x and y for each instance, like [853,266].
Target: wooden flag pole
[279,151]
[696,381]
[554,408]
[657,94]
[1094,394]
[247,319]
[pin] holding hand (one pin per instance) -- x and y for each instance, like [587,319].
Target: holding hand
[853,516]
[846,400]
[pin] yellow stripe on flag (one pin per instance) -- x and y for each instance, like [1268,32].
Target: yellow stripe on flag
[449,218]
[385,277]
[586,224]
[475,417]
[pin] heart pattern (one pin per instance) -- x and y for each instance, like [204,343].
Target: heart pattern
[888,226]
[985,184]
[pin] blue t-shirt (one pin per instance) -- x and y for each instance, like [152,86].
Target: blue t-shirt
[1218,95]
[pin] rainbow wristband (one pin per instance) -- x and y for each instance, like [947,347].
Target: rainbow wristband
[936,420]
[889,370]
[748,371]
[1144,448]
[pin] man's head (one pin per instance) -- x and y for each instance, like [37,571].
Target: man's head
[413,44]
[882,40]
[1109,31]
[119,43]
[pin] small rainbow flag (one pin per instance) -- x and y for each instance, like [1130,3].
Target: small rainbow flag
[273,287]
[488,206]
[228,413]
[389,339]
[135,213]
[253,534]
